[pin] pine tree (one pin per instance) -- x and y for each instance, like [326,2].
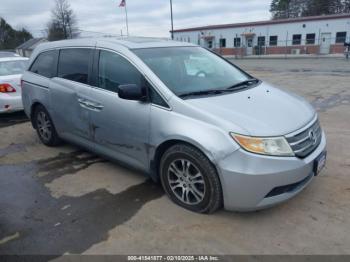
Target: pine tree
[336,7]
[346,6]
[287,8]
[280,9]
[318,7]
[296,8]
[11,38]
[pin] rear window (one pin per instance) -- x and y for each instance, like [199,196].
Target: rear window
[12,67]
[74,64]
[45,64]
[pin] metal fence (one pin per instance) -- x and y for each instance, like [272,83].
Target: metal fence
[297,46]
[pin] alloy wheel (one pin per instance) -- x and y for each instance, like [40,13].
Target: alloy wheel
[44,126]
[186,181]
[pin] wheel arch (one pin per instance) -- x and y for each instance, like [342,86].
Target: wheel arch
[32,111]
[165,145]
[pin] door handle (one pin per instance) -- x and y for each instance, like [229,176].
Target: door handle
[89,104]
[99,107]
[83,102]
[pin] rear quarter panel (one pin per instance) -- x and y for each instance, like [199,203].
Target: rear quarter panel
[35,90]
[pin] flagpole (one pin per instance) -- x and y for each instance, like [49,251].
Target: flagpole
[172,21]
[126,17]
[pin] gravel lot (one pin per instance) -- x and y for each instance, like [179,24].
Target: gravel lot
[64,200]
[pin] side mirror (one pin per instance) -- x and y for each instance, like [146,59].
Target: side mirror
[132,92]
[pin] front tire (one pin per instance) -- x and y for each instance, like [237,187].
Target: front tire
[45,127]
[190,180]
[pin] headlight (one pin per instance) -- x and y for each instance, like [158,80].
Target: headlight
[273,146]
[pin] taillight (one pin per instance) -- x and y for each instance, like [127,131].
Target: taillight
[7,88]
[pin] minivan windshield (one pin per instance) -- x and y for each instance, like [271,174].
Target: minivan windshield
[191,69]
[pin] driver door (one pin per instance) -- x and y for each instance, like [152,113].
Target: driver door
[120,128]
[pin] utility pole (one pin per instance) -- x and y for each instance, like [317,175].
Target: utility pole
[172,21]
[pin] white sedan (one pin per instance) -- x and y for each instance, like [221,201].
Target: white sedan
[11,69]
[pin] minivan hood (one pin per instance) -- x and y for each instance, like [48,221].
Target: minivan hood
[261,111]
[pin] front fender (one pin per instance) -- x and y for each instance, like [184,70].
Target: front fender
[166,125]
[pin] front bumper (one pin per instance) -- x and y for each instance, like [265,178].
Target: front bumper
[9,103]
[247,179]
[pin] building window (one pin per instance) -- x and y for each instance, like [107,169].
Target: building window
[189,40]
[340,38]
[296,39]
[222,42]
[237,42]
[261,41]
[273,40]
[310,39]
[210,44]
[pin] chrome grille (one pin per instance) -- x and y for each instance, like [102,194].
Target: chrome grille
[306,141]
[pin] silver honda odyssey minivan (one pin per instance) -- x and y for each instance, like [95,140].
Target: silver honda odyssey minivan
[212,134]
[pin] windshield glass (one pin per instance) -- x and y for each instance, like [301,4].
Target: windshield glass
[12,67]
[190,69]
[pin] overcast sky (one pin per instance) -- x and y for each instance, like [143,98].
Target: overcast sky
[146,17]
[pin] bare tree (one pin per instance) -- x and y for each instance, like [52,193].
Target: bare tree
[63,24]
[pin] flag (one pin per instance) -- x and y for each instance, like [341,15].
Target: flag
[122,3]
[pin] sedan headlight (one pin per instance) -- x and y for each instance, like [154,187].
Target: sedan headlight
[273,146]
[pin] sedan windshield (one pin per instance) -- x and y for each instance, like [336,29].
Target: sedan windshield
[12,67]
[191,69]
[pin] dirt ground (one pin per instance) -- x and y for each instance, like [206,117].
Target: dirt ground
[65,200]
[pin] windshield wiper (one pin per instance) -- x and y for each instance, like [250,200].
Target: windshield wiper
[247,82]
[220,91]
[203,92]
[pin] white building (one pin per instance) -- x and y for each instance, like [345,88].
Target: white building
[26,49]
[306,35]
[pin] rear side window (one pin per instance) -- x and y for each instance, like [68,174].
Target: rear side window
[115,70]
[74,64]
[45,64]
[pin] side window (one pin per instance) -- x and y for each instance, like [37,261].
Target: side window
[115,70]
[74,64]
[156,98]
[45,64]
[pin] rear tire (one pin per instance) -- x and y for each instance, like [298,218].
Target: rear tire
[45,127]
[190,180]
